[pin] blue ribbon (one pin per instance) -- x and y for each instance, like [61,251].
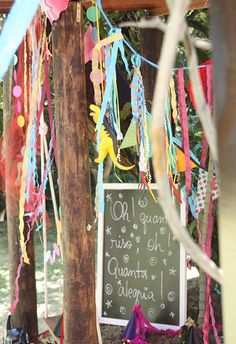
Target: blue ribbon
[108,89]
[14,29]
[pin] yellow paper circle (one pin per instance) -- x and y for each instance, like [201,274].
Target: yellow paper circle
[20,121]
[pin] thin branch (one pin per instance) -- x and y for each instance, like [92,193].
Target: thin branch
[174,31]
[157,23]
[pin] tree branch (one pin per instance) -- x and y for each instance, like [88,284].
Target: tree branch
[157,23]
[174,32]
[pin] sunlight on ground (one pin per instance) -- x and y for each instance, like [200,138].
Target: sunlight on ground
[55,282]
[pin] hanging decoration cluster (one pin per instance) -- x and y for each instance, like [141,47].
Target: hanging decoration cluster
[25,143]
[182,163]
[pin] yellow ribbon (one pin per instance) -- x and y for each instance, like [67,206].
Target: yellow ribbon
[173,101]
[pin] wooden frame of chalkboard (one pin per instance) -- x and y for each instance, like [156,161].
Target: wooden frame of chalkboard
[139,260]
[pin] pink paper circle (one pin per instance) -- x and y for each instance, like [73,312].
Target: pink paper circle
[100,76]
[17,91]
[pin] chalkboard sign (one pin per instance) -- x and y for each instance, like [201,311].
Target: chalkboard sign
[139,260]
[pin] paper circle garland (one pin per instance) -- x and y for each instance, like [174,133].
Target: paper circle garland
[17,91]
[92,14]
[20,121]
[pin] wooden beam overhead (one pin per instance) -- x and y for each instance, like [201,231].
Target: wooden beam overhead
[5,5]
[158,6]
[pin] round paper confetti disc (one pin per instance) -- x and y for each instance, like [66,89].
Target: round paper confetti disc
[20,121]
[17,91]
[91,14]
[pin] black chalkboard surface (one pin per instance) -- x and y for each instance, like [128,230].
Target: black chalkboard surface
[139,260]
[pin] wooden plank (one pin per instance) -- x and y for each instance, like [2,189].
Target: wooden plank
[110,5]
[5,5]
[74,178]
[224,55]
[159,6]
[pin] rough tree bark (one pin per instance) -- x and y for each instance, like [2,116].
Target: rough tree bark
[25,315]
[74,181]
[151,42]
[224,55]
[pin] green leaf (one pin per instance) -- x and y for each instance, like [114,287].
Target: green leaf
[192,226]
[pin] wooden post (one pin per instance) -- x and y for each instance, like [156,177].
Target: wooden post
[224,54]
[74,177]
[25,315]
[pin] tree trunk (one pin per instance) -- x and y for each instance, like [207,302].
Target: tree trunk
[151,42]
[25,315]
[224,55]
[74,178]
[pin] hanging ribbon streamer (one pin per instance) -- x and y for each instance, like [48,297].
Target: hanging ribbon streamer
[173,101]
[141,118]
[95,59]
[185,134]
[109,82]
[116,38]
[208,92]
[14,29]
[171,151]
[209,312]
[33,106]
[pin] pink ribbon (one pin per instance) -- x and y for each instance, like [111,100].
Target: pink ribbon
[209,312]
[209,101]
